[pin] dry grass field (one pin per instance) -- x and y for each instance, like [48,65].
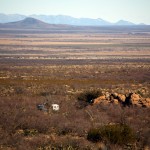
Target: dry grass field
[59,68]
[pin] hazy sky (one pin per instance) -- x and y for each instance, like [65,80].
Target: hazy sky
[136,11]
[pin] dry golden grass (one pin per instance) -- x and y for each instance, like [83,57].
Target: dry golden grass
[74,46]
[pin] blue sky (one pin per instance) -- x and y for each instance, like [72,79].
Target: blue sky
[136,11]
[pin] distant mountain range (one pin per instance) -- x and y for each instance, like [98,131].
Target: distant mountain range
[29,23]
[62,19]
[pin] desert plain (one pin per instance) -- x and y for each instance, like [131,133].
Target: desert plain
[65,66]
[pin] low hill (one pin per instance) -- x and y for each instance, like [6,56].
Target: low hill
[29,23]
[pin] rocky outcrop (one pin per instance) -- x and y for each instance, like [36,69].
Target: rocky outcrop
[131,99]
[99,100]
[146,102]
[121,98]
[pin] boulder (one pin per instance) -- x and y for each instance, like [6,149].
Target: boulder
[99,100]
[132,99]
[146,102]
[121,98]
[117,98]
[115,101]
[114,95]
[107,95]
[135,98]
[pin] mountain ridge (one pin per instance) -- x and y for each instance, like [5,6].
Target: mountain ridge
[64,19]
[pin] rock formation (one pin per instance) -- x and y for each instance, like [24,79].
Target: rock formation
[131,99]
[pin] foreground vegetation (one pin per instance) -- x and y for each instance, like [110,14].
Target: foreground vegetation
[73,126]
[62,69]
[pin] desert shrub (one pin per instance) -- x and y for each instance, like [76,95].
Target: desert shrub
[146,141]
[30,132]
[72,143]
[118,134]
[22,114]
[64,131]
[45,93]
[94,135]
[65,143]
[115,134]
[36,143]
[87,97]
[19,90]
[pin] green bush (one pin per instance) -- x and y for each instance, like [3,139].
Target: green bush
[115,134]
[87,96]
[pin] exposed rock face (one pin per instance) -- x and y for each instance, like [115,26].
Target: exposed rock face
[115,101]
[121,98]
[99,100]
[135,98]
[146,102]
[132,99]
